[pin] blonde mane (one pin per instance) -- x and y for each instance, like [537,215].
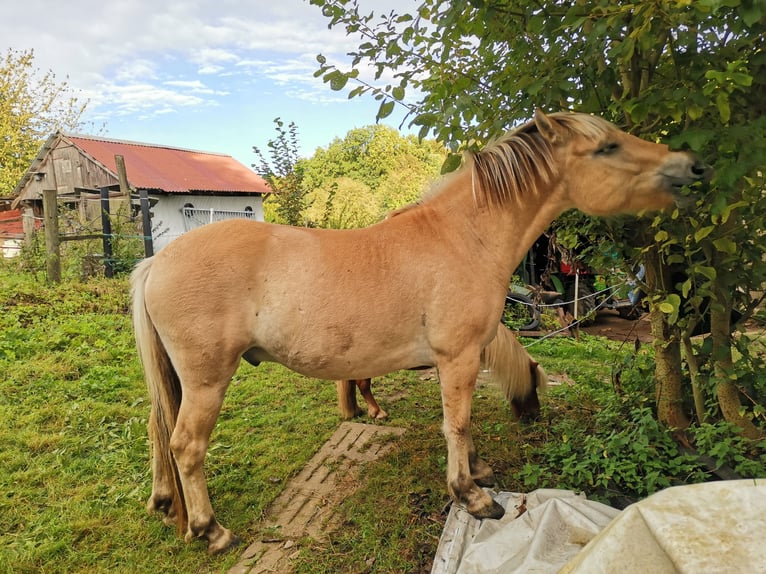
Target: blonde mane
[522,159]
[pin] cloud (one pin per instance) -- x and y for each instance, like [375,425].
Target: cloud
[145,54]
[114,99]
[195,86]
[146,60]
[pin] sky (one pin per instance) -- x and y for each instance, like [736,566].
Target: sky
[209,75]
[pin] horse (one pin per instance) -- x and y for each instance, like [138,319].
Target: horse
[429,285]
[510,367]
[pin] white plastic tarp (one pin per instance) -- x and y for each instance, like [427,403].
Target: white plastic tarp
[709,528]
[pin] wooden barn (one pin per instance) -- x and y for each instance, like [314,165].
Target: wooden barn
[187,188]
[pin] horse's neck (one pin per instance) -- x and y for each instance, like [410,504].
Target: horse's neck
[501,233]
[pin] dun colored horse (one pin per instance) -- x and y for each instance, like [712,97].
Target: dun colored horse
[429,285]
[510,367]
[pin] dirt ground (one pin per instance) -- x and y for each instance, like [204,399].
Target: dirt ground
[609,324]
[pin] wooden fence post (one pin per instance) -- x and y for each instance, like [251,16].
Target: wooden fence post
[52,246]
[146,222]
[106,229]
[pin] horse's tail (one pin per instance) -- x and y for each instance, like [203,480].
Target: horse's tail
[346,398]
[511,367]
[164,390]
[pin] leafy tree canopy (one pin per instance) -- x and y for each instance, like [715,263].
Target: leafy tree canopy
[32,106]
[373,167]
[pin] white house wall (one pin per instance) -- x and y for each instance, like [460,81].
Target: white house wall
[168,218]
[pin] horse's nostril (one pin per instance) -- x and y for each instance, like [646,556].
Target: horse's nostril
[700,169]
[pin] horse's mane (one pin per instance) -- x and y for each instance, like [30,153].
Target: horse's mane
[519,160]
[522,158]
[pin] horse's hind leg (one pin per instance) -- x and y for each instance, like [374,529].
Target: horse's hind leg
[457,379]
[203,392]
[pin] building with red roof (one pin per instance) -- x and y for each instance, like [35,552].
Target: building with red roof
[187,188]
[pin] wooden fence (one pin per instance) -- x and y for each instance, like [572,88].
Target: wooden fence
[53,237]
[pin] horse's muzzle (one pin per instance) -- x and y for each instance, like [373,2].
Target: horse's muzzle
[687,171]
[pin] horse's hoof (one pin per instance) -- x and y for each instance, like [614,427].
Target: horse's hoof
[488,480]
[494,511]
[162,506]
[220,546]
[482,474]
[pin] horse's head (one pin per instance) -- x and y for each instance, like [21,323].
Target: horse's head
[605,171]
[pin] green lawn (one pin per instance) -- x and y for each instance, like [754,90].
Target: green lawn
[74,472]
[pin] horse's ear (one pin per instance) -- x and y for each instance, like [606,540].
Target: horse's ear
[550,129]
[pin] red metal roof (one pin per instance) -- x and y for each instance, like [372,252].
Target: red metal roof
[172,170]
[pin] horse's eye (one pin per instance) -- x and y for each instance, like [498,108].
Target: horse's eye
[607,149]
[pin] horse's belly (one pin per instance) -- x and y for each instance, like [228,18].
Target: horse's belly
[349,364]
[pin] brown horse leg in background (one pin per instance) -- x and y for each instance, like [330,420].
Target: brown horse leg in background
[347,399]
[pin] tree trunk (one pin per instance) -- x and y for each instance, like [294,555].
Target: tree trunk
[723,367]
[699,395]
[667,373]
[667,352]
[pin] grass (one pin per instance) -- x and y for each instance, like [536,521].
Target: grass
[74,472]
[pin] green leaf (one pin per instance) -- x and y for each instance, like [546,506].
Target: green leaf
[751,12]
[452,162]
[725,245]
[338,81]
[686,288]
[726,211]
[670,306]
[398,93]
[742,79]
[385,109]
[703,232]
[722,101]
[708,272]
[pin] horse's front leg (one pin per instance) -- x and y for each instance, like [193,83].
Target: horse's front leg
[458,379]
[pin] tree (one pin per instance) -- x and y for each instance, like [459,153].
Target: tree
[284,174]
[356,180]
[31,108]
[688,73]
[343,203]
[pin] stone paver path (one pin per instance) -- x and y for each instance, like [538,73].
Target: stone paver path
[306,506]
